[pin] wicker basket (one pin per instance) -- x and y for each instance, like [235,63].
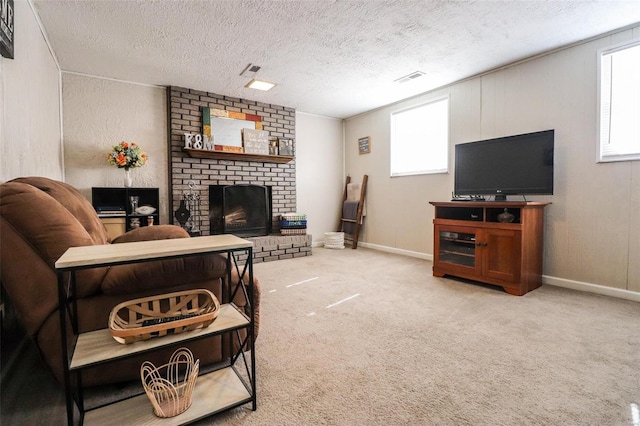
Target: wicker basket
[170,386]
[334,240]
[157,316]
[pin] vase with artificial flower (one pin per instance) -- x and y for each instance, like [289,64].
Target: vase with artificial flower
[127,156]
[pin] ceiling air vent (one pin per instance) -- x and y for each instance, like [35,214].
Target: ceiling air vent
[409,77]
[250,68]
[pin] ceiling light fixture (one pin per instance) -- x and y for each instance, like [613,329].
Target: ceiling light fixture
[260,85]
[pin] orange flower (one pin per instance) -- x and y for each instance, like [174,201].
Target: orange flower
[124,144]
[121,159]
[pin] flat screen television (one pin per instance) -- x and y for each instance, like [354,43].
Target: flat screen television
[511,165]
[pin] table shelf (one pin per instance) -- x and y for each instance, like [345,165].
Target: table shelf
[214,392]
[99,346]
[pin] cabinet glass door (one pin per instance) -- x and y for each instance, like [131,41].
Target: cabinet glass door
[458,248]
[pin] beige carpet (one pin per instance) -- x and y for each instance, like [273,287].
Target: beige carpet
[360,337]
[408,349]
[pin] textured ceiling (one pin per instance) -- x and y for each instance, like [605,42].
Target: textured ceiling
[333,58]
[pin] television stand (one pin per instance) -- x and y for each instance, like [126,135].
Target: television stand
[475,240]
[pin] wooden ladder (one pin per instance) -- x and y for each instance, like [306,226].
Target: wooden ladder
[358,220]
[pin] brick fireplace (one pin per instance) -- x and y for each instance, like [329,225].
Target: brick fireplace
[184,109]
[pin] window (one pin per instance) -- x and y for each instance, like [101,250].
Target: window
[619,102]
[420,139]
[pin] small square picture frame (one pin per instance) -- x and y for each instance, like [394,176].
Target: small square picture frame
[285,147]
[273,147]
[364,145]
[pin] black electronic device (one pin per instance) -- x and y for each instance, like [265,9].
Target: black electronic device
[511,165]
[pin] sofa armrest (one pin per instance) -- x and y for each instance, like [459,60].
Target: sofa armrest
[148,276]
[159,274]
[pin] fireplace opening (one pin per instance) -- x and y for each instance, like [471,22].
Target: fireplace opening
[243,210]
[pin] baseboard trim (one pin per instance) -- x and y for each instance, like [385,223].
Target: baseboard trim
[417,254]
[591,288]
[546,279]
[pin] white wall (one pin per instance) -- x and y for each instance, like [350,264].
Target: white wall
[319,172]
[30,132]
[100,113]
[592,230]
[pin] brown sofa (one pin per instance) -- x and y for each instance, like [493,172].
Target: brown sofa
[39,220]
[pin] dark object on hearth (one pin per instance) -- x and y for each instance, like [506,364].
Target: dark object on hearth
[188,214]
[182,214]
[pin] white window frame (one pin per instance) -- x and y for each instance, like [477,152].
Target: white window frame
[423,138]
[608,150]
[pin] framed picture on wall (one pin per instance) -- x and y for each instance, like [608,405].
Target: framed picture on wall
[7,17]
[364,145]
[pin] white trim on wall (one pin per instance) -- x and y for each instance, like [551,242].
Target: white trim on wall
[82,74]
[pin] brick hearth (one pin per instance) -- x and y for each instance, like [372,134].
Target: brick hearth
[184,109]
[278,247]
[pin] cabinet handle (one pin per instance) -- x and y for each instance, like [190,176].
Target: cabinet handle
[481,244]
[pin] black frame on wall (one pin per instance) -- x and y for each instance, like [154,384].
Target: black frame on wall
[7,33]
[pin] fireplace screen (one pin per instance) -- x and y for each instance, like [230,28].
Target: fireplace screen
[242,210]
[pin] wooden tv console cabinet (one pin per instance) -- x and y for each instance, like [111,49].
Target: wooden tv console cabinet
[470,242]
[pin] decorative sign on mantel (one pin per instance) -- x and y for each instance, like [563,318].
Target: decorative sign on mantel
[255,141]
[198,142]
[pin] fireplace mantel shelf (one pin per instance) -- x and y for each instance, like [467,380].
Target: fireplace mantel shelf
[221,155]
